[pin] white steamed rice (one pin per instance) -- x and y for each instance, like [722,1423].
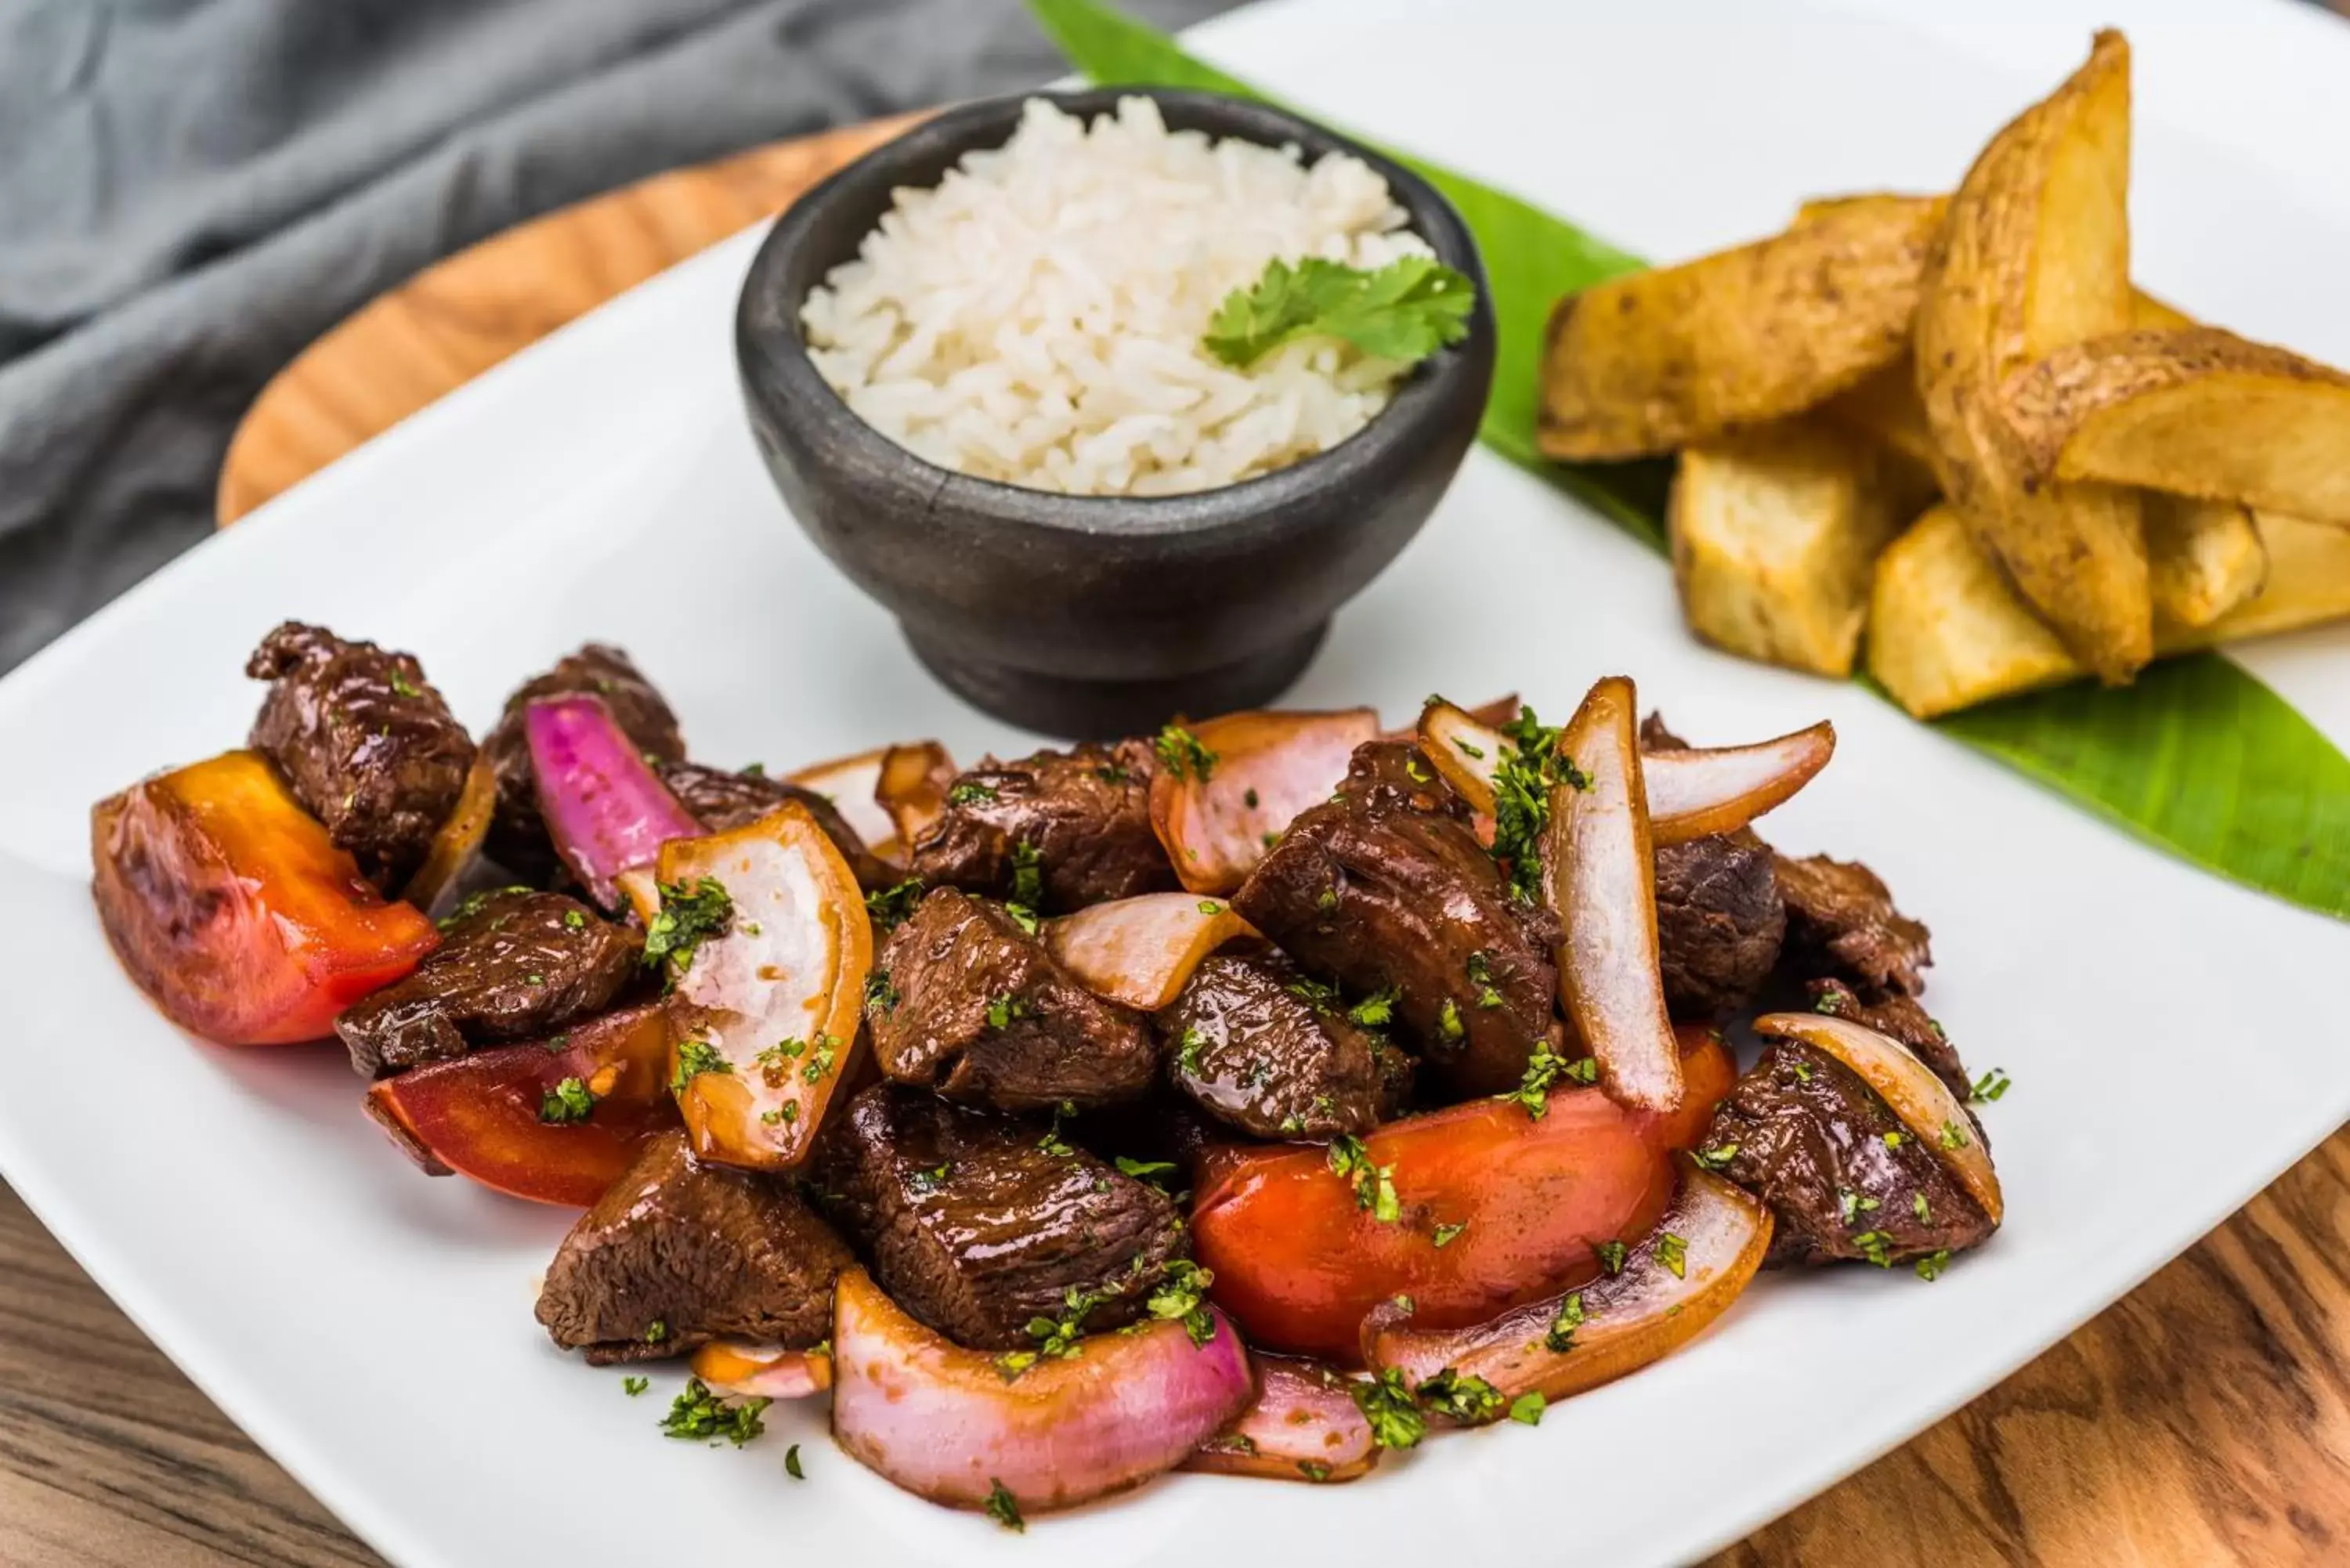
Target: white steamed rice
[1036,318]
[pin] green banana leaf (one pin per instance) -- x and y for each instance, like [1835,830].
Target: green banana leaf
[2198,758]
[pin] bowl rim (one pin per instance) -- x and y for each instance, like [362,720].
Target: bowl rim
[781,379]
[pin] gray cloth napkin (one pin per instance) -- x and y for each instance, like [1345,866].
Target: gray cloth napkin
[190,191]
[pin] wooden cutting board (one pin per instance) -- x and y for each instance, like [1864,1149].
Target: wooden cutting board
[2206,1418]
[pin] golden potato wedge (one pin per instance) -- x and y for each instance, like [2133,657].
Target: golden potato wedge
[1882,201]
[1947,631]
[1647,363]
[2033,256]
[2204,559]
[1885,408]
[1774,531]
[2197,412]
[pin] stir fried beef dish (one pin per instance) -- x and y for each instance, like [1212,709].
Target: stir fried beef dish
[1251,1097]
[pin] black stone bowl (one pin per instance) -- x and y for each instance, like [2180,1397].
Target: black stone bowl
[1096,616]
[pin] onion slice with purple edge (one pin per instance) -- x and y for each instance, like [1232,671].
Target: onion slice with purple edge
[1600,873]
[764,1024]
[1304,1425]
[943,1422]
[1615,1324]
[1269,767]
[1692,792]
[851,784]
[750,1369]
[606,809]
[1139,952]
[1907,1085]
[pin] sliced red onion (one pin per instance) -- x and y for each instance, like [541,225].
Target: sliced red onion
[945,1423]
[606,809]
[1269,767]
[750,1369]
[1697,1261]
[851,784]
[1599,873]
[766,1012]
[1694,793]
[1304,1425]
[1922,1100]
[1140,950]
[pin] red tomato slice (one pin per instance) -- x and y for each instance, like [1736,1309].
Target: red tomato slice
[483,1115]
[234,911]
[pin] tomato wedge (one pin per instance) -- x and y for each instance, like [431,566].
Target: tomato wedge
[1521,1205]
[233,911]
[487,1115]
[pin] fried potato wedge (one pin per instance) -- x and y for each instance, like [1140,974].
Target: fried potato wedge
[1774,531]
[1946,630]
[2033,256]
[2204,559]
[1647,363]
[2196,411]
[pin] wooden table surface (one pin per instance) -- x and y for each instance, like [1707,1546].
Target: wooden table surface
[2204,1419]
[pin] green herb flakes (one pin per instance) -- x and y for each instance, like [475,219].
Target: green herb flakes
[696,1058]
[1179,751]
[699,1413]
[691,913]
[1386,1403]
[1003,1508]
[568,1102]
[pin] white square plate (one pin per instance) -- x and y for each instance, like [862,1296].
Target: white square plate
[373,1329]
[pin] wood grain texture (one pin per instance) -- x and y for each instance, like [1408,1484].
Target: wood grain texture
[2204,1419]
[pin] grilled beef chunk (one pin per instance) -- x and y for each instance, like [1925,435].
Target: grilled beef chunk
[368,747]
[678,1254]
[971,1004]
[511,965]
[722,801]
[518,838]
[1274,1056]
[979,1228]
[1385,887]
[1804,1134]
[1900,1018]
[1720,922]
[1841,922]
[1083,813]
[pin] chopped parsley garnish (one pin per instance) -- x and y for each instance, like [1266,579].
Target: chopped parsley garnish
[1480,975]
[1611,1256]
[1374,1185]
[1560,1336]
[1058,1336]
[690,912]
[1527,1408]
[1187,1053]
[821,1059]
[1893,1140]
[970,792]
[1386,1403]
[1003,1508]
[1463,1396]
[1209,907]
[699,1413]
[1248,799]
[1179,751]
[1930,1266]
[1447,1234]
[1404,311]
[1448,1020]
[569,1101]
[1312,1469]
[656,1331]
[575,920]
[1852,1205]
[696,1058]
[1715,1157]
[1052,1143]
[402,686]
[1154,1171]
[633,1386]
[1027,875]
[1921,1207]
[1545,1068]
[1112,773]
[1182,1295]
[1876,1247]
[1990,1087]
[792,1463]
[889,907]
[880,996]
[1021,915]
[1672,1251]
[931,1179]
[1953,1135]
[1523,780]
[1376,1011]
[1003,1008]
